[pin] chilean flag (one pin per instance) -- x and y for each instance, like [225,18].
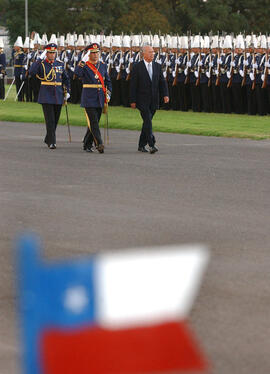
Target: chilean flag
[111,313]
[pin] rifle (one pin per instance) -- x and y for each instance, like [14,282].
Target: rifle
[245,67]
[229,85]
[218,64]
[110,55]
[264,85]
[176,70]
[167,61]
[188,59]
[200,68]
[130,63]
[210,63]
[254,70]
[121,57]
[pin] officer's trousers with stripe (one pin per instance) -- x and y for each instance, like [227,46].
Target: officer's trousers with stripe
[93,132]
[51,114]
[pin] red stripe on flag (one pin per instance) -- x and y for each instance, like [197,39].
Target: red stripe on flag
[159,348]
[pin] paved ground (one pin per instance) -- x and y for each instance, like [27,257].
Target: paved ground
[195,189]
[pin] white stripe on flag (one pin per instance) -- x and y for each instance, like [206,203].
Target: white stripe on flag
[148,286]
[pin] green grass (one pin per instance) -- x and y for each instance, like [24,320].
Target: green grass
[207,124]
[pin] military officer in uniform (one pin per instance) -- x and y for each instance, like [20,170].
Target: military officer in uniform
[18,66]
[2,69]
[96,92]
[54,81]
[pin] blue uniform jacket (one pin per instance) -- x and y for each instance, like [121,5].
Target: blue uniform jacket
[53,77]
[93,97]
[18,63]
[2,62]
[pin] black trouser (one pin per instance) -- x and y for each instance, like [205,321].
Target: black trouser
[195,97]
[51,114]
[217,102]
[18,83]
[35,83]
[147,136]
[251,100]
[125,92]
[93,132]
[2,88]
[261,99]
[237,95]
[206,98]
[226,98]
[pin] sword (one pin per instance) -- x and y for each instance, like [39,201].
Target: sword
[69,134]
[9,89]
[106,125]
[19,91]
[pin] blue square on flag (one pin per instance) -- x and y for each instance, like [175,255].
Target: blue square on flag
[110,313]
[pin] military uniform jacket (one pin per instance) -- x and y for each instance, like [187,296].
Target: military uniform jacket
[2,63]
[53,76]
[92,92]
[18,63]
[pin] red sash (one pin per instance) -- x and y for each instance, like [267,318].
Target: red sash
[96,72]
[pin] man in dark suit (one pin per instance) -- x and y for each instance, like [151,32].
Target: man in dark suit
[147,83]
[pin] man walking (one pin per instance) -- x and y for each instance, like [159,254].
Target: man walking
[96,92]
[53,77]
[147,81]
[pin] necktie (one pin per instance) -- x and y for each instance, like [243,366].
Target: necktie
[150,70]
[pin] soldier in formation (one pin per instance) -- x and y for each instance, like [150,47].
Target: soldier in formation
[212,73]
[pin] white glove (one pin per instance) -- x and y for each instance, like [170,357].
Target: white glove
[196,74]
[29,55]
[228,75]
[216,72]
[232,64]
[159,62]
[189,64]
[168,63]
[67,96]
[200,63]
[251,75]
[267,64]
[186,71]
[108,97]
[173,73]
[211,64]
[246,62]
[76,58]
[25,67]
[130,60]
[43,55]
[207,74]
[110,61]
[72,68]
[219,61]
[86,57]
[164,74]
[117,68]
[1,76]
[177,61]
[262,77]
[121,60]
[65,59]
[255,66]
[21,77]
[127,70]
[241,73]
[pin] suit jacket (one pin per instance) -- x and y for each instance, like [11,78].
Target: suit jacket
[143,91]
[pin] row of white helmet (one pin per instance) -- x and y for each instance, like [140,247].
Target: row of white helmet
[181,42]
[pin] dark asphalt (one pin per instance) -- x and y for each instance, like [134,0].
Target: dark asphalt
[206,190]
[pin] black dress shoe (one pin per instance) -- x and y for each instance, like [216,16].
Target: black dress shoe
[142,149]
[87,148]
[153,149]
[52,146]
[100,148]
